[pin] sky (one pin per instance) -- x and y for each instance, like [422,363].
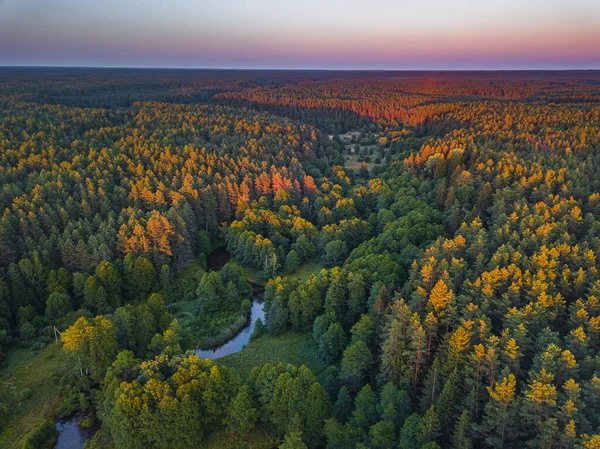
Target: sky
[303,34]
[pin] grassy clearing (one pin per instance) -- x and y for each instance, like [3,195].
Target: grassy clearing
[295,348]
[353,163]
[27,385]
[307,268]
[252,275]
[303,272]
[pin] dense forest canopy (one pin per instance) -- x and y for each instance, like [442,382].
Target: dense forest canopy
[434,236]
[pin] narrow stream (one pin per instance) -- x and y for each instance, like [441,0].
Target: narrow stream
[216,260]
[241,339]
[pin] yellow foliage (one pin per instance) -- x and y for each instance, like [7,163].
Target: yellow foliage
[440,296]
[504,392]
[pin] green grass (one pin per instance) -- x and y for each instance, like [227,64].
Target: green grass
[307,268]
[33,370]
[295,348]
[252,275]
[303,272]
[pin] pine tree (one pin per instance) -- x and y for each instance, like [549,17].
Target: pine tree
[499,413]
[460,437]
[445,403]
[241,415]
[394,405]
[293,440]
[343,405]
[365,408]
[429,428]
[318,410]
[332,343]
[382,435]
[409,433]
[356,362]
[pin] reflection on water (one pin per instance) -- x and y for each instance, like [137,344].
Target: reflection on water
[241,339]
[72,435]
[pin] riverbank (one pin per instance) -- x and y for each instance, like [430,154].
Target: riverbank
[297,348]
[213,342]
[28,383]
[240,339]
[72,435]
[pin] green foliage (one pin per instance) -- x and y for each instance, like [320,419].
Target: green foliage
[343,405]
[86,423]
[365,408]
[200,401]
[241,416]
[356,363]
[429,428]
[259,329]
[332,342]
[381,435]
[462,271]
[318,411]
[336,252]
[58,305]
[42,437]
[293,440]
[292,261]
[461,435]
[409,434]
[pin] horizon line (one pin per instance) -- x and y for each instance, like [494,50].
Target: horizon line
[275,69]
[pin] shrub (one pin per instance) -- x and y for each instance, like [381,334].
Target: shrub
[87,422]
[259,329]
[42,437]
[24,394]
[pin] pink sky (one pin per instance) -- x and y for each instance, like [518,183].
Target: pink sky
[379,34]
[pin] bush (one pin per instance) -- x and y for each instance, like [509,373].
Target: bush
[24,394]
[226,334]
[246,307]
[259,329]
[43,436]
[87,422]
[73,401]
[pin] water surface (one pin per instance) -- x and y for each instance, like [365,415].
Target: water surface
[241,339]
[72,435]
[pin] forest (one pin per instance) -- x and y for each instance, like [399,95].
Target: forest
[425,247]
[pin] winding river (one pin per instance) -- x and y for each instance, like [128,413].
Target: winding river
[216,260]
[73,436]
[241,339]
